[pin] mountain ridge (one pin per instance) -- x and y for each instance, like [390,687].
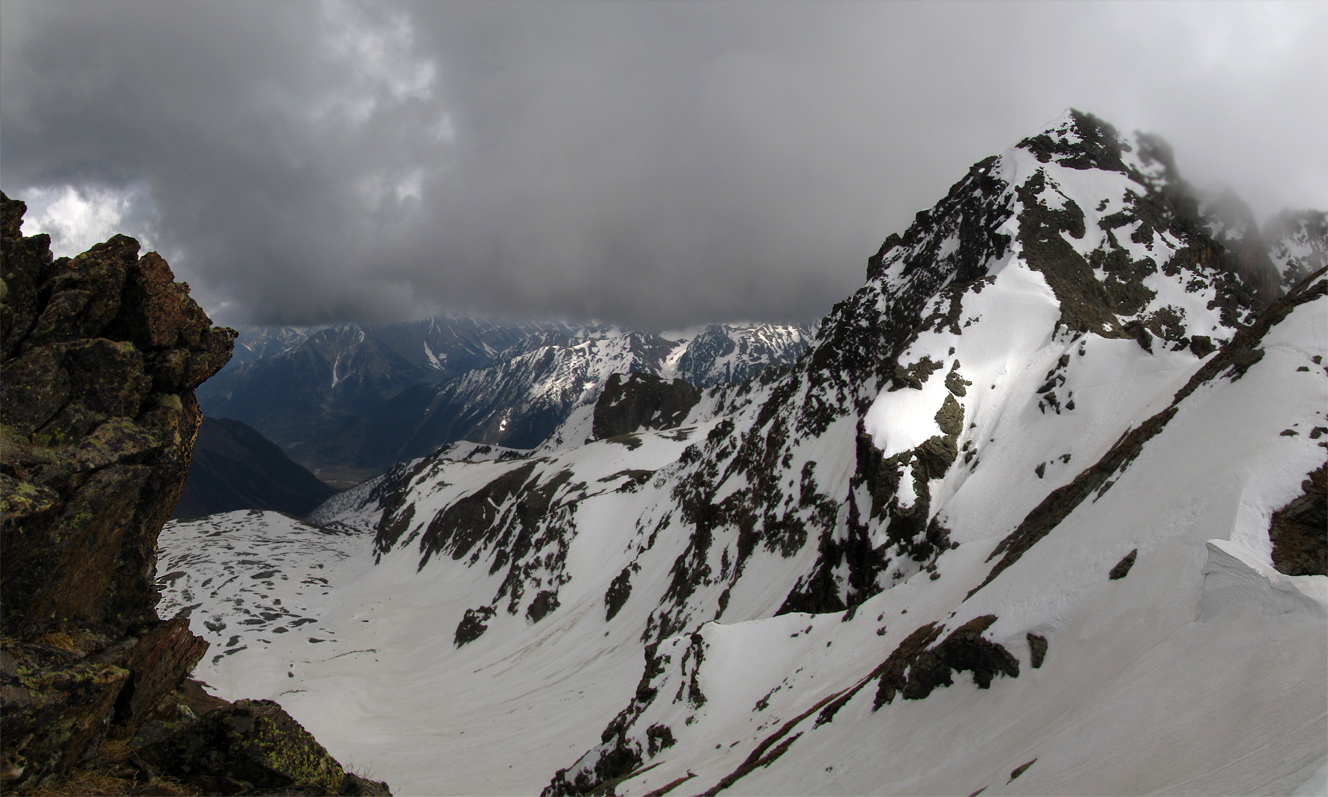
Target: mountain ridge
[1018,494]
[514,397]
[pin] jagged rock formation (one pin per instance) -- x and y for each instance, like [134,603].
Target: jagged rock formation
[727,353]
[235,467]
[101,356]
[346,402]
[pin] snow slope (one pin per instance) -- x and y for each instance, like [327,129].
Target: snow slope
[1007,526]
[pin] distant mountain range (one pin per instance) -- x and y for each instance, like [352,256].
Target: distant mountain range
[347,402]
[298,384]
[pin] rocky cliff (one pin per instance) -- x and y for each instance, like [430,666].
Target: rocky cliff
[101,356]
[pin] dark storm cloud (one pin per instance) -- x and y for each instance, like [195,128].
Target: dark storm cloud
[654,164]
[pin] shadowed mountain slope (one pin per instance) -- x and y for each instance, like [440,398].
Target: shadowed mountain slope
[235,467]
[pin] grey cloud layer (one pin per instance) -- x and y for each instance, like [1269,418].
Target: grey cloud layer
[655,164]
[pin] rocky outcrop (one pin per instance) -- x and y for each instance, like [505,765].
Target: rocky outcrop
[102,353]
[1299,530]
[1297,243]
[101,356]
[254,746]
[633,402]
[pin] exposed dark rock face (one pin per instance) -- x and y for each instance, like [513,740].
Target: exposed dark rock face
[1299,530]
[1037,647]
[1232,224]
[235,467]
[1122,568]
[634,402]
[254,747]
[101,356]
[918,667]
[57,708]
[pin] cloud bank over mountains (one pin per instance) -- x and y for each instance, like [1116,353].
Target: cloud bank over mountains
[652,164]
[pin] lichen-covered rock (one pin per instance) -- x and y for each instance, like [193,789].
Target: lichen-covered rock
[56,708]
[253,747]
[101,355]
[162,658]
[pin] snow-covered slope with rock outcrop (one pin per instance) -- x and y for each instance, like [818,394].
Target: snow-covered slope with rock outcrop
[1040,510]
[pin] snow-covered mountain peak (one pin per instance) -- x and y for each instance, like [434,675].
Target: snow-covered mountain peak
[1029,492]
[987,332]
[1121,241]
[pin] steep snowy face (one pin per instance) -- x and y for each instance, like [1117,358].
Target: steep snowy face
[1024,321]
[1298,243]
[1046,385]
[1111,642]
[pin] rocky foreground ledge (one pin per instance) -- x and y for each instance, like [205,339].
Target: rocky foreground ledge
[101,356]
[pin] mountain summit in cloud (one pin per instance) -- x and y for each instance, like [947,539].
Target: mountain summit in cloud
[1041,509]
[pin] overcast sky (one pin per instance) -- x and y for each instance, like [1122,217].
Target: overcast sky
[649,163]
